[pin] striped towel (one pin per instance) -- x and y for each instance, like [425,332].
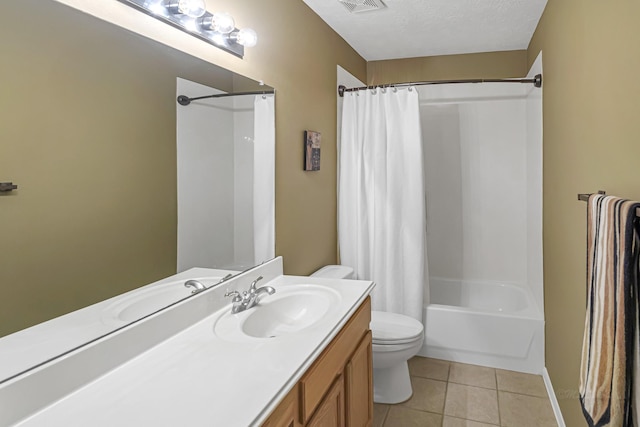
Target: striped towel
[606,374]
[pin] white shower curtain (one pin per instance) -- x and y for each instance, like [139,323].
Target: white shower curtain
[264,146]
[381,201]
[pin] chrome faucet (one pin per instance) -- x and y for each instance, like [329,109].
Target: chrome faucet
[197,286]
[248,298]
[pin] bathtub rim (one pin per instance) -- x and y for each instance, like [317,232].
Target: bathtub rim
[531,311]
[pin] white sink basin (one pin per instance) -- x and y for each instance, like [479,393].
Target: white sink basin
[290,310]
[149,299]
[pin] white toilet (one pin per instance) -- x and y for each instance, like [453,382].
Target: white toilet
[396,339]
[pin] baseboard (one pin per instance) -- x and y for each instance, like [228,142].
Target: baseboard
[552,398]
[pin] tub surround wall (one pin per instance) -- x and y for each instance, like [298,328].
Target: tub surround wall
[206,190]
[534,167]
[481,225]
[475,144]
[215,180]
[243,170]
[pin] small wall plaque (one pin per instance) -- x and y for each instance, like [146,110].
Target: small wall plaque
[311,150]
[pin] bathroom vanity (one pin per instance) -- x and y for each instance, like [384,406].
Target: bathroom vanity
[337,389]
[302,356]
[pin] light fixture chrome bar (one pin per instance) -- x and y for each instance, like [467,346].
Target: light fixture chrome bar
[192,26]
[536,81]
[185,100]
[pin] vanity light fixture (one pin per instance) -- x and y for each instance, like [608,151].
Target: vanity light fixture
[192,17]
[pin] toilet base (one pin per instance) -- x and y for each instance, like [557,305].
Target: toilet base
[392,385]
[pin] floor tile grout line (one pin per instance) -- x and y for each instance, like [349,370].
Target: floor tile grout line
[446,391]
[386,415]
[524,394]
[467,419]
[498,398]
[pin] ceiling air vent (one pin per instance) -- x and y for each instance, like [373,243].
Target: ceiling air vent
[357,6]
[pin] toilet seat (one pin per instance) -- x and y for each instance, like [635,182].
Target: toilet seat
[394,329]
[387,348]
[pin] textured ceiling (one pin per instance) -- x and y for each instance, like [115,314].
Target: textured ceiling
[414,28]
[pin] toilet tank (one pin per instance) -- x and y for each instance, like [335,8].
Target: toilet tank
[334,272]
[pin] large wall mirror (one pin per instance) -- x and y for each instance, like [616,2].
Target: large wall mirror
[93,137]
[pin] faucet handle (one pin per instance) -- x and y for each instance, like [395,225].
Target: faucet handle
[252,288]
[235,294]
[225,278]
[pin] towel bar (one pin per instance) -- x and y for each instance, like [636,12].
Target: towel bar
[7,186]
[585,198]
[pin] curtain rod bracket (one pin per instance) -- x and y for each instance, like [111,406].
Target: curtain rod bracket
[184,100]
[537,80]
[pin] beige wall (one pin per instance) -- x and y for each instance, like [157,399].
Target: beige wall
[496,65]
[95,213]
[591,127]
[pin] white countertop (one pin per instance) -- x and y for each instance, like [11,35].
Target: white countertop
[197,378]
[34,345]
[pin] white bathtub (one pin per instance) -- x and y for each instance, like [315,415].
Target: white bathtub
[484,323]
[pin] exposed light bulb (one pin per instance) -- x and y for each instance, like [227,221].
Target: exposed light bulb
[191,8]
[246,37]
[222,23]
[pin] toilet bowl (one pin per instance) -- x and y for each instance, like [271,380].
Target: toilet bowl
[396,339]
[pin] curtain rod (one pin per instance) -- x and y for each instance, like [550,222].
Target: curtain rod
[537,82]
[585,198]
[185,100]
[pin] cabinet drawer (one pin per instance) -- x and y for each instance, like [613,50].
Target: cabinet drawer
[318,379]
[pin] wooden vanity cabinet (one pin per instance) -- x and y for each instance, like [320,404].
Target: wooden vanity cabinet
[337,390]
[358,381]
[330,411]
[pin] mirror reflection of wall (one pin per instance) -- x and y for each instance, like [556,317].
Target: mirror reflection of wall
[88,129]
[224,147]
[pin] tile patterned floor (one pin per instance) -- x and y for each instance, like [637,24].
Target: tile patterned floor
[449,394]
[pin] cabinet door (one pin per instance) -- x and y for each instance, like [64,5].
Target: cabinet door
[330,412]
[286,414]
[359,385]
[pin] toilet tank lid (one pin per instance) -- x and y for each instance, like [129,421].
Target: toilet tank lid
[334,272]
